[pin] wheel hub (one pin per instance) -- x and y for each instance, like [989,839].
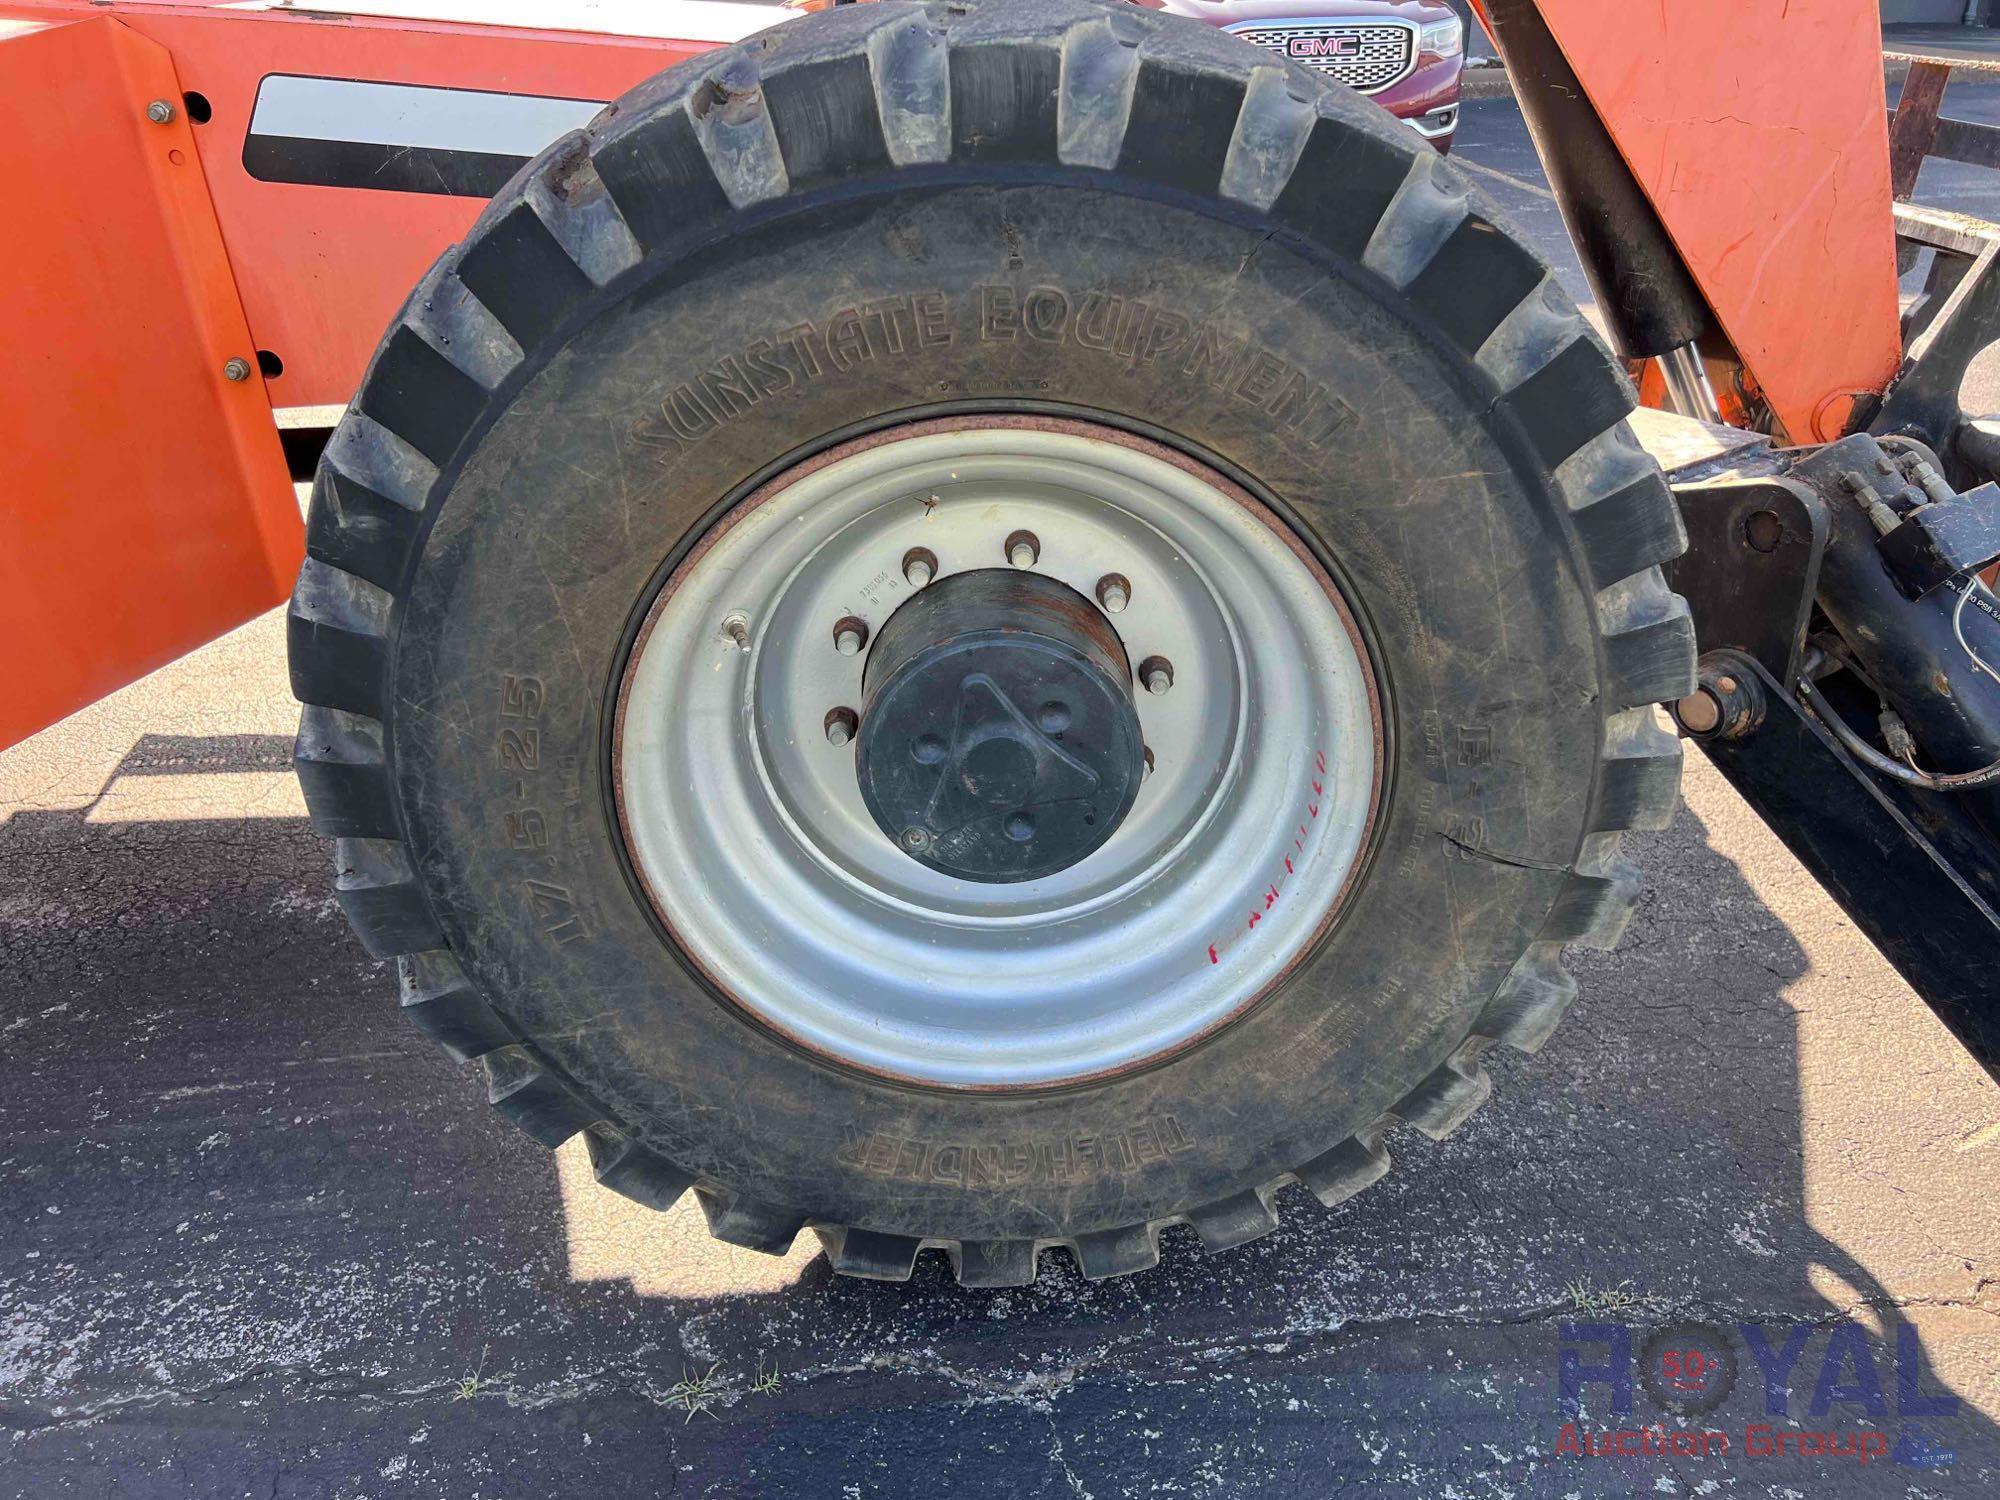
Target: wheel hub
[875,854]
[999,741]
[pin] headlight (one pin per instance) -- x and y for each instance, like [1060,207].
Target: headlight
[1444,38]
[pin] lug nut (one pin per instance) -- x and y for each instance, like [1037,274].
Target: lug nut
[1114,592]
[160,112]
[1156,674]
[1024,549]
[919,566]
[916,840]
[849,636]
[841,724]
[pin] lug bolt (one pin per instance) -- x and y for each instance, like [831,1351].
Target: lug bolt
[849,636]
[919,566]
[1149,762]
[236,370]
[841,724]
[1024,549]
[1114,592]
[916,840]
[1156,673]
[160,112]
[736,630]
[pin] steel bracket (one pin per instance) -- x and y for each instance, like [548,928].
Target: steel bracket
[1752,565]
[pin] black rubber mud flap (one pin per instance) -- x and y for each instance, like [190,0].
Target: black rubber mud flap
[1297,290]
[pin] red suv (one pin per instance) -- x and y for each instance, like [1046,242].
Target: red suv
[1406,55]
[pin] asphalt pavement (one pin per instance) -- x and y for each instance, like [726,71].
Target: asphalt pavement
[259,1238]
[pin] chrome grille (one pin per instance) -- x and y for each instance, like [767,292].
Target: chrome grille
[1367,56]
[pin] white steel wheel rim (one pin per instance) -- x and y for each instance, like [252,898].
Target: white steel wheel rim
[746,826]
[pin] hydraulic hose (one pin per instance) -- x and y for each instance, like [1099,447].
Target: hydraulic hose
[1868,755]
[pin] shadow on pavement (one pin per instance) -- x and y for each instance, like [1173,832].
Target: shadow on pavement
[258,1237]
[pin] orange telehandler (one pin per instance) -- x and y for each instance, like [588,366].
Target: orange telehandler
[986,626]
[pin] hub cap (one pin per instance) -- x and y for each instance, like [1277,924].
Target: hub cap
[998,737]
[1083,804]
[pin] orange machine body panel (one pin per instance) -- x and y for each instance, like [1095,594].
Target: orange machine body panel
[1758,130]
[145,505]
[322,270]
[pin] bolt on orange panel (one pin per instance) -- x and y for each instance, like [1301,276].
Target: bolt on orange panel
[1758,128]
[146,506]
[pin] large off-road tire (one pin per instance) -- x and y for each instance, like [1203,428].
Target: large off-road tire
[1022,233]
